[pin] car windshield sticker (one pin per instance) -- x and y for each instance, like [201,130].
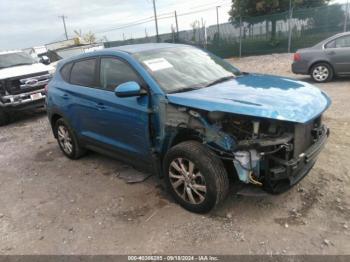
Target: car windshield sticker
[158,64]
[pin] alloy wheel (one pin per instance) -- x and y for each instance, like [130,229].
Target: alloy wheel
[320,73]
[64,139]
[187,181]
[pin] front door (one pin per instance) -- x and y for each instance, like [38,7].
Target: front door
[121,123]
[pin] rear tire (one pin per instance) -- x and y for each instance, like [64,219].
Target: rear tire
[67,140]
[195,177]
[321,73]
[4,117]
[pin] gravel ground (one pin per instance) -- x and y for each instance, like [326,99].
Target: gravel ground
[52,205]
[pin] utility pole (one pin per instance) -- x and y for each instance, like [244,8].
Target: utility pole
[155,18]
[204,33]
[290,26]
[240,36]
[173,32]
[346,16]
[217,21]
[177,26]
[64,24]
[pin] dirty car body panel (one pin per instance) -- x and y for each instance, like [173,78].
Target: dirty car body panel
[260,96]
[268,129]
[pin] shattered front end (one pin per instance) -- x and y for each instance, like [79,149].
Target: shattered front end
[278,154]
[268,153]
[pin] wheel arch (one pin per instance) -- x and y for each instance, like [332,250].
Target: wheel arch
[320,62]
[179,135]
[53,120]
[185,134]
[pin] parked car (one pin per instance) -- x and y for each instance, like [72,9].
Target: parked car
[22,82]
[189,117]
[325,60]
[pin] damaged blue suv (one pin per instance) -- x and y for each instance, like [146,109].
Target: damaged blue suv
[188,116]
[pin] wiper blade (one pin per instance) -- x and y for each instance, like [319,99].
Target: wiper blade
[220,80]
[186,89]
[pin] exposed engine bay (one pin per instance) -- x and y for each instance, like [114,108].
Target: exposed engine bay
[274,154]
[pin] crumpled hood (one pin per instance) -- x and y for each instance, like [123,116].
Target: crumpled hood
[260,96]
[24,70]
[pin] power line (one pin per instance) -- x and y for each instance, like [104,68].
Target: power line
[136,22]
[213,4]
[198,11]
[159,17]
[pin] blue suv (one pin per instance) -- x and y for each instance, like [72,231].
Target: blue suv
[189,117]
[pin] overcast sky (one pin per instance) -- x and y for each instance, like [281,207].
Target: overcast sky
[26,23]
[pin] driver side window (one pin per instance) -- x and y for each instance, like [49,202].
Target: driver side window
[114,72]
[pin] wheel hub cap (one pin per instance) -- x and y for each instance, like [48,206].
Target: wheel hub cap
[320,73]
[64,139]
[187,181]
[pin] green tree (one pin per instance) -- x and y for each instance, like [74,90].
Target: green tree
[256,8]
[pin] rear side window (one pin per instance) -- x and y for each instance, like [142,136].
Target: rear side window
[83,73]
[65,71]
[331,44]
[341,42]
[114,72]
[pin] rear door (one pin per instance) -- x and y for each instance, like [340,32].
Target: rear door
[338,53]
[80,94]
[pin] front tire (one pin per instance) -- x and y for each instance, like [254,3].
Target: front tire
[195,177]
[67,140]
[322,72]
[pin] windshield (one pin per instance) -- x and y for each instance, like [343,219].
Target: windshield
[15,59]
[179,69]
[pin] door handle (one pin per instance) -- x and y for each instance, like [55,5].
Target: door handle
[100,106]
[65,96]
[331,53]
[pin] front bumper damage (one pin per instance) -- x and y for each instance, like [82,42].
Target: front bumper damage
[287,173]
[271,154]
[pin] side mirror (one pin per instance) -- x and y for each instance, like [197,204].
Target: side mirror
[45,60]
[128,89]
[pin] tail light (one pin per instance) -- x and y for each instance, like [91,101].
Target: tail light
[297,57]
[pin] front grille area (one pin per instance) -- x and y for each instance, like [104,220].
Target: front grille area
[27,83]
[304,136]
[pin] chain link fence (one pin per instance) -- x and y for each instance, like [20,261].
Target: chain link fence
[244,36]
